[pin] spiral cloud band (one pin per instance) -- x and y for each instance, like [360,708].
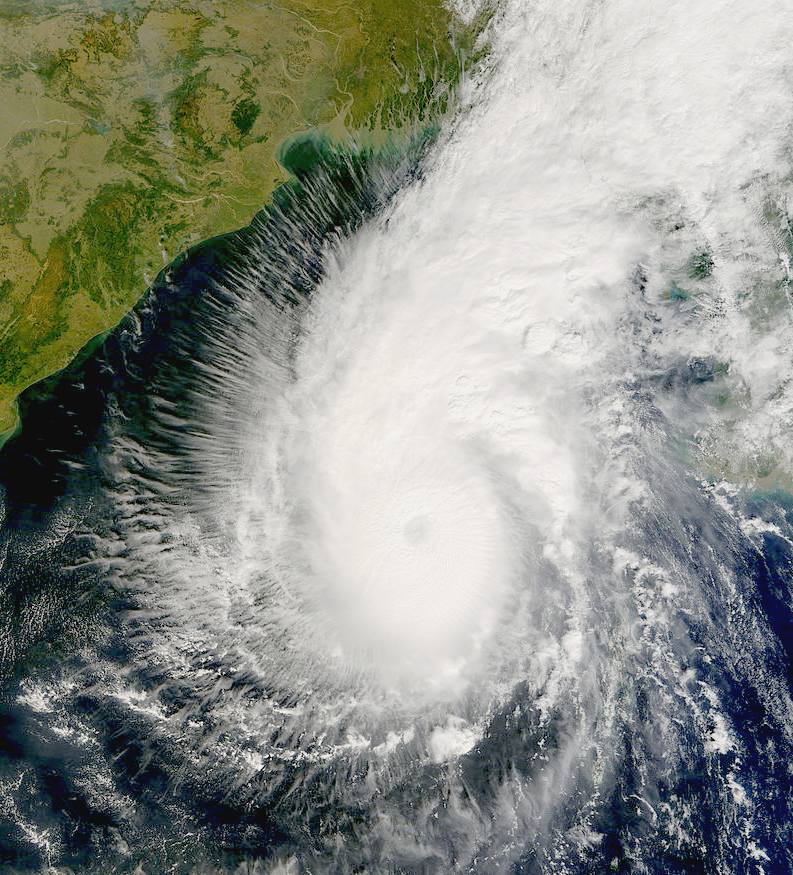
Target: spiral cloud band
[433,524]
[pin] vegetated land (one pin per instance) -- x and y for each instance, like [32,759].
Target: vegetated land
[131,129]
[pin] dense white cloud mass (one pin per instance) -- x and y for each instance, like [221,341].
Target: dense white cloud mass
[458,401]
[453,570]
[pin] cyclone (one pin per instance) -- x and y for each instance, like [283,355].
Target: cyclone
[440,520]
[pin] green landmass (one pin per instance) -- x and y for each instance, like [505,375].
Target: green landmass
[132,130]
